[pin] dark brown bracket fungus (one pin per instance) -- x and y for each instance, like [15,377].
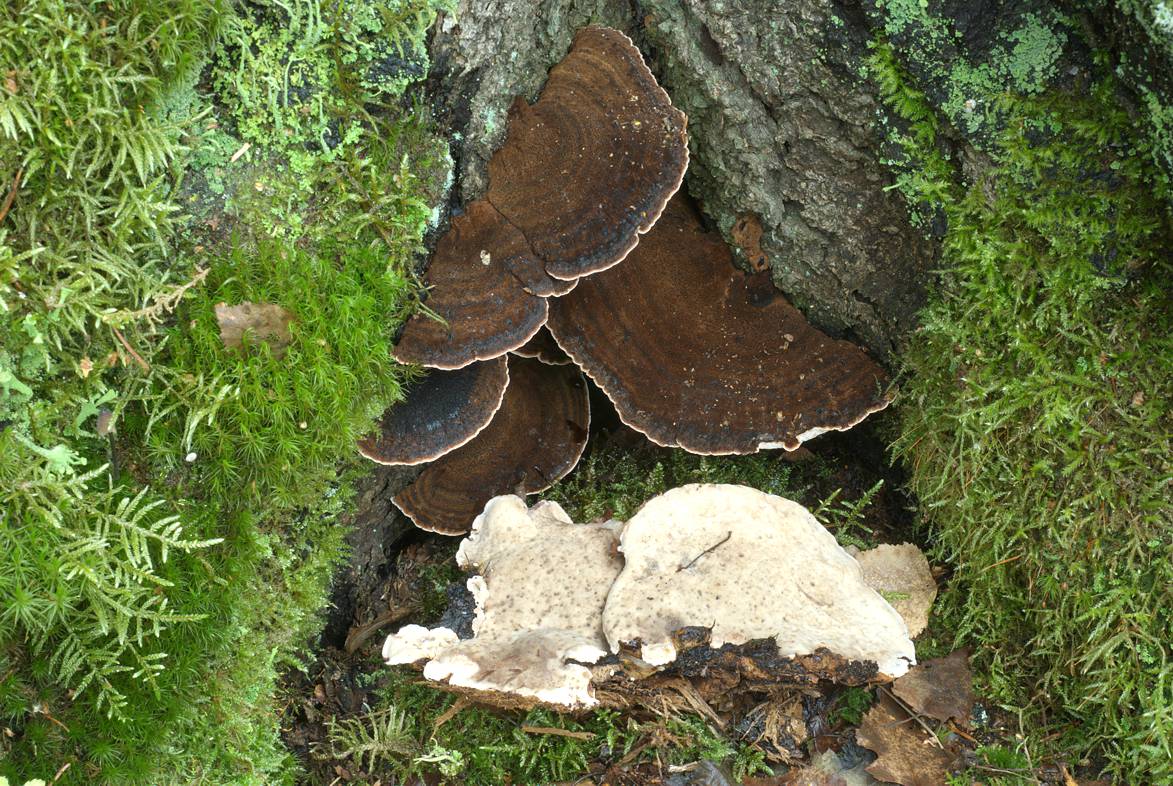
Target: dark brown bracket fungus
[443,411]
[485,308]
[591,165]
[543,347]
[583,172]
[536,437]
[696,354]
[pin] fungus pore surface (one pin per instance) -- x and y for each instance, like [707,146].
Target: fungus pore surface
[746,565]
[540,586]
[442,411]
[536,437]
[696,354]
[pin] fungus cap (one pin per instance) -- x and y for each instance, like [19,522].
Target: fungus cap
[442,411]
[591,165]
[473,285]
[748,566]
[543,347]
[536,437]
[696,354]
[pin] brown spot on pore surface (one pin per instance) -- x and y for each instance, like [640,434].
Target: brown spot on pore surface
[694,354]
[591,165]
[442,411]
[487,307]
[536,437]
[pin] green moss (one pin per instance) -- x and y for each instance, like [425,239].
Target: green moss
[964,84]
[481,747]
[149,602]
[1035,421]
[254,419]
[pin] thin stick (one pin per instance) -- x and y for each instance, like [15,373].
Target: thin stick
[577,735]
[138,358]
[450,713]
[913,714]
[1002,562]
[710,549]
[8,200]
[358,635]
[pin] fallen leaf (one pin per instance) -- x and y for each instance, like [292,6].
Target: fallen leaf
[266,322]
[905,753]
[940,688]
[825,769]
[901,574]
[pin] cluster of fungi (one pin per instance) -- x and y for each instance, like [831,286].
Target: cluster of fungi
[582,259]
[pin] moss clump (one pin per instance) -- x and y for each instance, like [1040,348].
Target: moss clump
[254,420]
[403,738]
[1036,422]
[148,602]
[964,77]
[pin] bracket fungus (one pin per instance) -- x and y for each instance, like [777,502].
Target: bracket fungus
[737,588]
[543,347]
[745,372]
[442,411]
[485,308]
[745,566]
[581,174]
[534,628]
[590,166]
[536,437]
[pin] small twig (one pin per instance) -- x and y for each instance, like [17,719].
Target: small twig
[915,716]
[960,733]
[710,549]
[61,771]
[358,635]
[450,713]
[577,735]
[8,200]
[243,149]
[138,358]
[1002,562]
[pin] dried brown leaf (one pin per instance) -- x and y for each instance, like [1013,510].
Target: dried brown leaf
[939,688]
[905,752]
[266,322]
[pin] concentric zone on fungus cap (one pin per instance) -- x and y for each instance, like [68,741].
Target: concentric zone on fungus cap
[442,411]
[485,308]
[536,437]
[592,164]
[582,173]
[696,354]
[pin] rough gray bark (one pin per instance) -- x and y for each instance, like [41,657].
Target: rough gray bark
[781,126]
